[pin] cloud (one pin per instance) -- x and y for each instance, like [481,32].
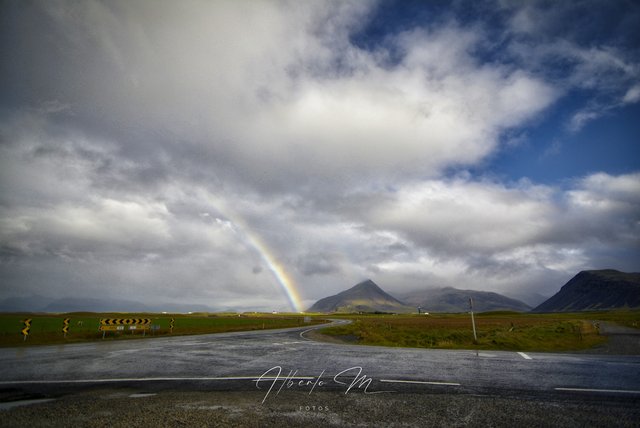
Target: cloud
[292,98]
[462,228]
[457,215]
[604,209]
[632,95]
[319,264]
[562,36]
[582,117]
[146,146]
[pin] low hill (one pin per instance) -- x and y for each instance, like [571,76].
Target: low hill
[595,290]
[449,299]
[363,297]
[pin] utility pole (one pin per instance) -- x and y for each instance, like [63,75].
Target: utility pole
[473,321]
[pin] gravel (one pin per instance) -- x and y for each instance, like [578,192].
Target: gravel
[135,408]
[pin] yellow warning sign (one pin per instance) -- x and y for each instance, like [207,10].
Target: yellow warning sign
[111,327]
[125,321]
[65,326]
[27,327]
[139,327]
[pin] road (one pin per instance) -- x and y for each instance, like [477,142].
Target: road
[273,362]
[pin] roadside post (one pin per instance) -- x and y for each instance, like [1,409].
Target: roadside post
[473,321]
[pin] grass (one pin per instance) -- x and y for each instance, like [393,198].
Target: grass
[495,330]
[46,329]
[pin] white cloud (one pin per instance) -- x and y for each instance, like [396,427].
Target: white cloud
[632,95]
[293,96]
[604,210]
[580,118]
[458,216]
[428,112]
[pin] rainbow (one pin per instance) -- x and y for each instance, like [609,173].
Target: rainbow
[276,269]
[266,254]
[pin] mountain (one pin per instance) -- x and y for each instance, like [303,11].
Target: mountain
[33,303]
[531,298]
[74,304]
[363,297]
[451,299]
[595,290]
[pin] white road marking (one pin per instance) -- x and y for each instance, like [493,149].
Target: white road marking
[525,356]
[420,382]
[620,391]
[12,404]
[127,351]
[142,395]
[306,331]
[146,379]
[334,322]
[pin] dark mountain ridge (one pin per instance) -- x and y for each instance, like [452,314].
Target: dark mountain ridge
[367,296]
[449,299]
[595,290]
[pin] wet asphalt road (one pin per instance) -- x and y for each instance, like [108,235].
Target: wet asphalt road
[236,362]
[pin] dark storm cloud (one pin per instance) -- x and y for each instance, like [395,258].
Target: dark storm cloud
[319,264]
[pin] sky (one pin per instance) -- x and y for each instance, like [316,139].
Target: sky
[260,155]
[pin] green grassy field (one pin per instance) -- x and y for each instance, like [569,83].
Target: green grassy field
[495,330]
[47,328]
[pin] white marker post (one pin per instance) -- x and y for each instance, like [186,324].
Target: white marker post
[473,321]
